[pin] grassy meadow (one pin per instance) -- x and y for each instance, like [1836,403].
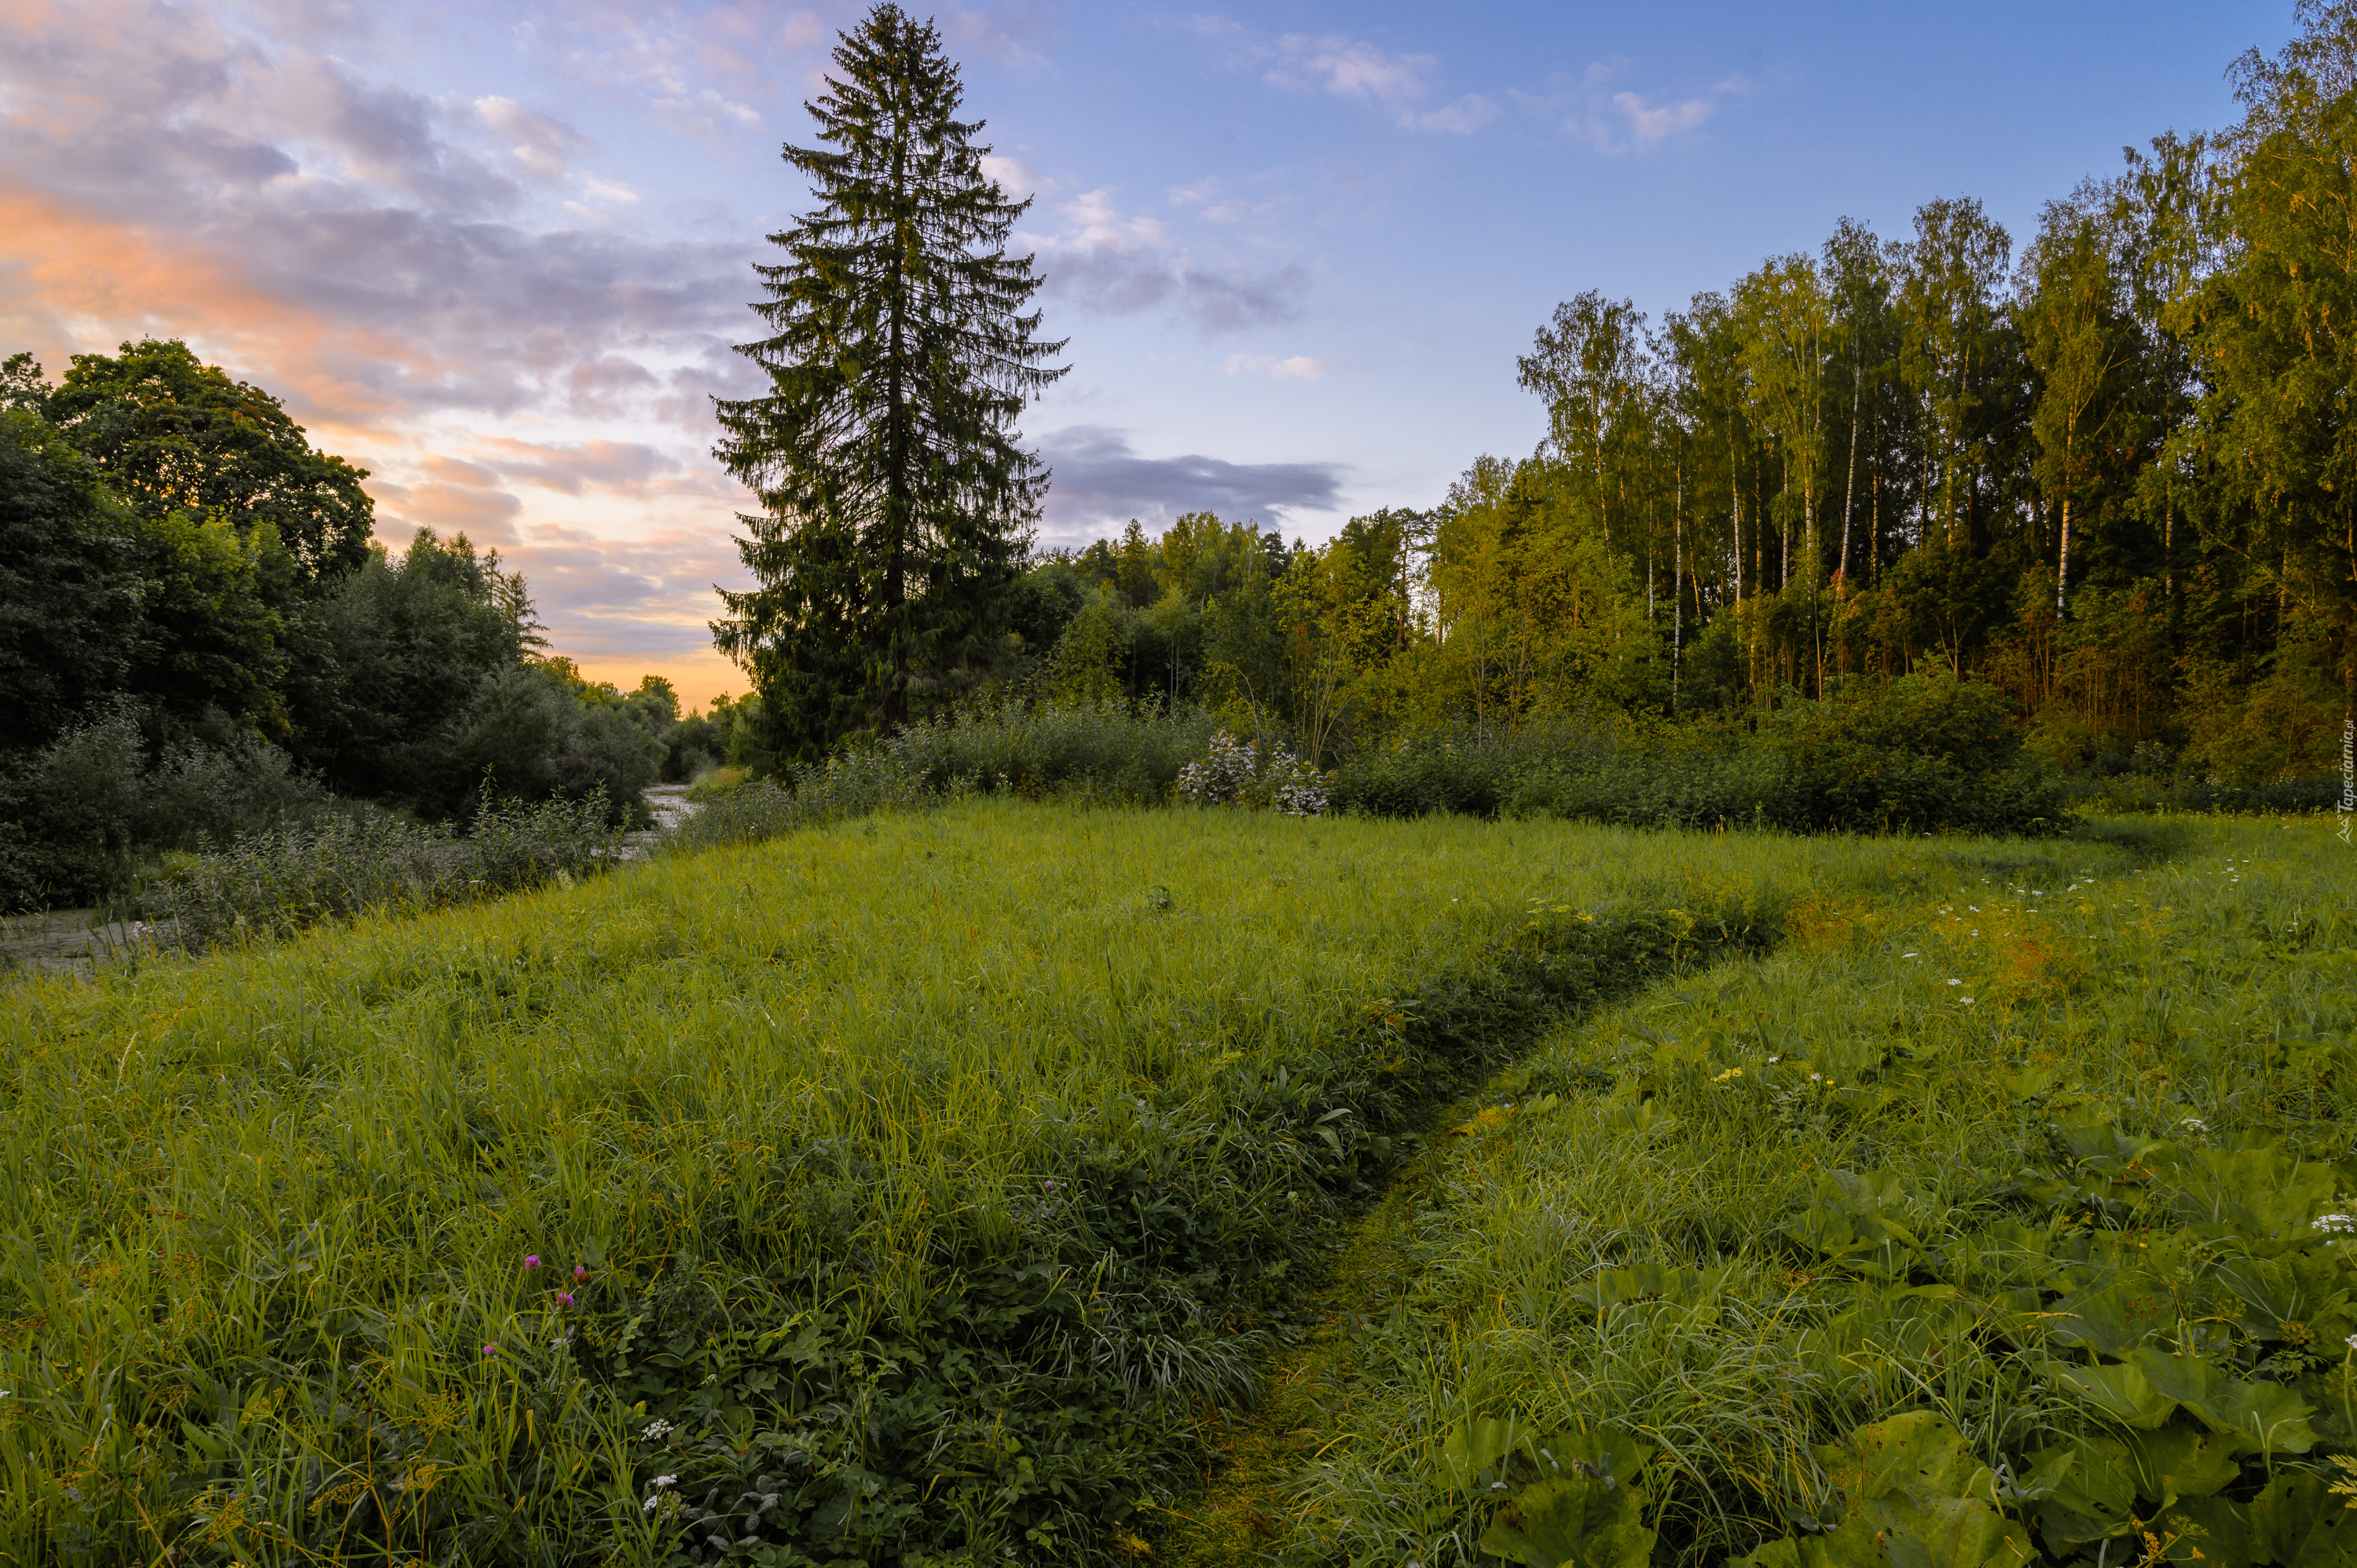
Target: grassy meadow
[940,1187]
[2003,1221]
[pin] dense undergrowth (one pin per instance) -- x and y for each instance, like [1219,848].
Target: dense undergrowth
[277,882]
[2005,1222]
[887,1194]
[1090,752]
[1924,754]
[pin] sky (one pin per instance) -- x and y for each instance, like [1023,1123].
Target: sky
[499,254]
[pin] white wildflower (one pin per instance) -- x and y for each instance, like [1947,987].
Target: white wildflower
[656,1429]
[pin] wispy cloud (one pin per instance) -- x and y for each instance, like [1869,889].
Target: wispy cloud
[1298,367]
[1344,66]
[1349,68]
[1617,121]
[1462,118]
[1597,106]
[1119,263]
[1210,198]
[545,146]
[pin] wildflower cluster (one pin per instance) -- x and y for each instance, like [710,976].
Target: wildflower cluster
[1235,773]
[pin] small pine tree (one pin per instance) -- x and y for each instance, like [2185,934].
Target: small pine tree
[896,506]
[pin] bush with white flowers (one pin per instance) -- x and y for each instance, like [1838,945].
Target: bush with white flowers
[1236,772]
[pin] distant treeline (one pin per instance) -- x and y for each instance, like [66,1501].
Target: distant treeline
[198,637]
[2110,471]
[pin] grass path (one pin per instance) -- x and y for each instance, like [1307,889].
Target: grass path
[1245,1512]
[1929,1161]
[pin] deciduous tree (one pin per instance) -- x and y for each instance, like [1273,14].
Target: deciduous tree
[173,434]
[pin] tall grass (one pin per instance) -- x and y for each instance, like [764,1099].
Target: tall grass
[2051,1151]
[891,1193]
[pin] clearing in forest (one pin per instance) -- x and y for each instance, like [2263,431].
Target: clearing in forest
[908,1191]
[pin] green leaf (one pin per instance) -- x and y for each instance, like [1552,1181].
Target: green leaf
[1477,1445]
[2276,1295]
[1573,1521]
[2263,1193]
[1489,1454]
[2121,1392]
[1924,1528]
[1776,1555]
[2180,1461]
[2219,1529]
[2270,1417]
[2188,1380]
[2112,1320]
[2301,1524]
[2089,1497]
[1917,1449]
[1641,1282]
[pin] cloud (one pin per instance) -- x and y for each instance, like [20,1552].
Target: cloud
[1118,263]
[609,468]
[705,113]
[542,145]
[1624,121]
[332,237]
[484,515]
[1300,367]
[1013,35]
[1650,122]
[1017,177]
[1100,482]
[1462,118]
[1349,68]
[1344,66]
[1209,197]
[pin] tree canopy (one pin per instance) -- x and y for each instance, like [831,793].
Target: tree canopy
[173,434]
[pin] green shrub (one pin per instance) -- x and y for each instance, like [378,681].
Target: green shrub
[1459,775]
[81,818]
[1102,751]
[2141,792]
[275,883]
[1922,753]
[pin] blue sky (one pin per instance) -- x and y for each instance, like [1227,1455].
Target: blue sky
[498,252]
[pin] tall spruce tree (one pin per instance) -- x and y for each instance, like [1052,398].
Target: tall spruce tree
[896,506]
